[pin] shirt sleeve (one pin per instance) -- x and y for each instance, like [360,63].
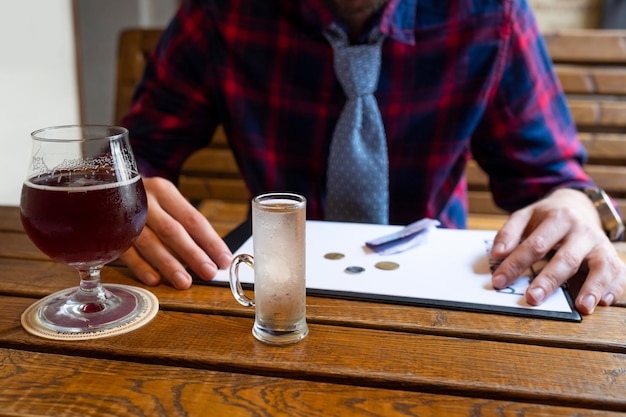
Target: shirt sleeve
[172,115]
[527,141]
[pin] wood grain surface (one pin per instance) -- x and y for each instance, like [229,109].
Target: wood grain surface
[78,386]
[198,357]
[355,356]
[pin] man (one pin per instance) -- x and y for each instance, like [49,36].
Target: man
[457,78]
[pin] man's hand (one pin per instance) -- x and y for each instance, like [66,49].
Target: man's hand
[567,222]
[176,234]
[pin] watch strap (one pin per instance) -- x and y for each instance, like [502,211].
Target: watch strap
[609,215]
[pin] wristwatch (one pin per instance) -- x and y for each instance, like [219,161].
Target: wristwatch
[611,221]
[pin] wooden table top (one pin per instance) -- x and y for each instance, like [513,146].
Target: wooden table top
[197,357]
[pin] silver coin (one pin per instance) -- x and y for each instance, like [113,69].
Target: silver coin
[353,270]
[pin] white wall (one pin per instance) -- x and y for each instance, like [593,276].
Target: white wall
[38,70]
[38,85]
[99,25]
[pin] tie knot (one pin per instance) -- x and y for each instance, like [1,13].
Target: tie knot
[357,67]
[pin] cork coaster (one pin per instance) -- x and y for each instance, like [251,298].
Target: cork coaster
[32,324]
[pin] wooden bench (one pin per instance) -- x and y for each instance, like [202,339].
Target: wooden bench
[591,65]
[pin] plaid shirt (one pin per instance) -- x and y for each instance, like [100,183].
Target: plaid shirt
[459,79]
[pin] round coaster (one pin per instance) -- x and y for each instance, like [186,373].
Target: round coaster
[32,325]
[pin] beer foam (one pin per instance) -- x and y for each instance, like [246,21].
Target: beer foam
[82,189]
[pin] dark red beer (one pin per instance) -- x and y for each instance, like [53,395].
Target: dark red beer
[83,218]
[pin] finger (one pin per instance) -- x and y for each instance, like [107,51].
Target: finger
[615,290]
[509,235]
[564,264]
[605,282]
[149,246]
[533,248]
[205,240]
[617,286]
[140,268]
[173,223]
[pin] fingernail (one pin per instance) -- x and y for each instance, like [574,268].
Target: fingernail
[181,280]
[207,270]
[499,281]
[589,302]
[224,260]
[608,299]
[537,294]
[150,278]
[498,248]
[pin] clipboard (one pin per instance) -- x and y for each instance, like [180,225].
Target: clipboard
[449,270]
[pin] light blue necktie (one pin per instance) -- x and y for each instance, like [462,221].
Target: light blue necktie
[357,187]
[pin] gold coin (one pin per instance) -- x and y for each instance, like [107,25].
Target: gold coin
[387,266]
[334,255]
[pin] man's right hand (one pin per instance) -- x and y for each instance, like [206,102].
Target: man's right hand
[176,235]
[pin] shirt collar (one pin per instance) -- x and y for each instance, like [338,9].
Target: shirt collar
[397,21]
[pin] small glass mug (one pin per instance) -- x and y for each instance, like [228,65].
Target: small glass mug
[278,237]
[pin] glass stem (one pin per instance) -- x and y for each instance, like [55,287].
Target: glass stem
[91,294]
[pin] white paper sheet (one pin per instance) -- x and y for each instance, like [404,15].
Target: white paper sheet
[450,269]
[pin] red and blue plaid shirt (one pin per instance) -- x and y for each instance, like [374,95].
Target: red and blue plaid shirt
[459,79]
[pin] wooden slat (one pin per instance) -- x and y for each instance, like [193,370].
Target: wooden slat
[600,46]
[611,178]
[477,221]
[585,79]
[215,159]
[567,13]
[482,202]
[598,113]
[495,370]
[483,210]
[211,161]
[18,245]
[199,188]
[224,216]
[219,138]
[35,383]
[10,219]
[604,146]
[476,177]
[134,46]
[601,331]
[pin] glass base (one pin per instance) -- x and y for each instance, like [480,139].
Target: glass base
[61,315]
[279,337]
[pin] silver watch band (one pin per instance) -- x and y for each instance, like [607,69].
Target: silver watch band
[611,219]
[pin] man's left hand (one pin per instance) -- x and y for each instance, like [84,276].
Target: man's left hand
[567,222]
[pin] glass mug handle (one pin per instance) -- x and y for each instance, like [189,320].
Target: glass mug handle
[235,284]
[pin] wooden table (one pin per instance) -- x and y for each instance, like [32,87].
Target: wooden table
[198,357]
